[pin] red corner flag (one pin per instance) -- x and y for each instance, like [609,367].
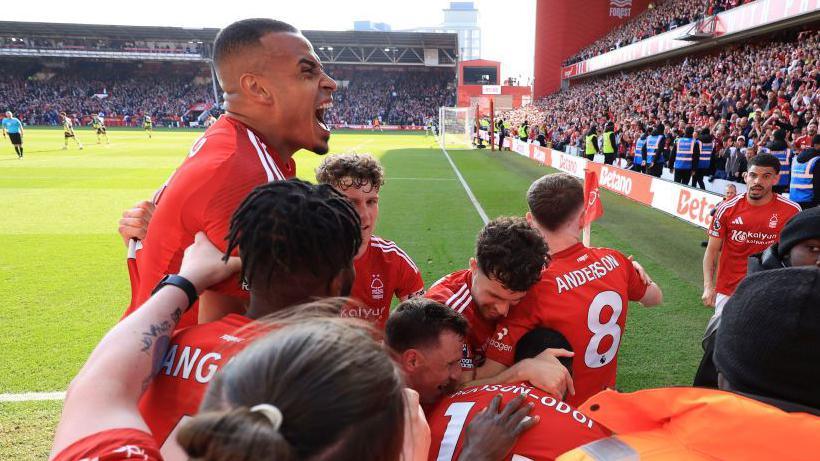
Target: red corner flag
[593,208]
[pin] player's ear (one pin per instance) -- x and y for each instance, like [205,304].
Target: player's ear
[255,89]
[411,359]
[473,265]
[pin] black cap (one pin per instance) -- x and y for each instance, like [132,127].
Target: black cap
[769,336]
[803,226]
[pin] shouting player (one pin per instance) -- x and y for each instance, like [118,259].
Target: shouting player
[584,294]
[280,230]
[68,132]
[383,270]
[747,224]
[276,93]
[98,124]
[14,127]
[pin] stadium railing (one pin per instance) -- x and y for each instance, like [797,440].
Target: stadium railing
[689,204]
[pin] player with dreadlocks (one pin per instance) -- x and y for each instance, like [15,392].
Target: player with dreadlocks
[281,230]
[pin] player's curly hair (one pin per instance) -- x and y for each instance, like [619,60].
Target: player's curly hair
[512,252]
[292,229]
[351,170]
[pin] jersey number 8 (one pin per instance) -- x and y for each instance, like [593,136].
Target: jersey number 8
[592,357]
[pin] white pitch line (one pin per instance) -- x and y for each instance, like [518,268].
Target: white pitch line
[32,396]
[420,179]
[467,189]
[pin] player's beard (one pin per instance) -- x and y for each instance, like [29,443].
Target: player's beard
[758,192]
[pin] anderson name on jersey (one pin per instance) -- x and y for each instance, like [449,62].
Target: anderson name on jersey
[584,294]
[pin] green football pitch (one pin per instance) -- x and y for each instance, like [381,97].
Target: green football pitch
[63,278]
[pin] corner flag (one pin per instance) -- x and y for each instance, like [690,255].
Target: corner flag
[593,208]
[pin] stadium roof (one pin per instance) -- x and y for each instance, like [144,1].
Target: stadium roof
[80,31]
[335,47]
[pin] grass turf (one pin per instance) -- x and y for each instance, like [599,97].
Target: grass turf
[63,280]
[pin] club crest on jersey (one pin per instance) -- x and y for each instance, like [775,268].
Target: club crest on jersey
[501,334]
[773,221]
[377,287]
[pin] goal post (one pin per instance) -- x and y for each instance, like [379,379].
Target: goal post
[456,126]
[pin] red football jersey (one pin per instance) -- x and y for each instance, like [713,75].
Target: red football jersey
[803,142]
[112,445]
[383,271]
[584,294]
[223,166]
[193,358]
[561,427]
[454,291]
[746,229]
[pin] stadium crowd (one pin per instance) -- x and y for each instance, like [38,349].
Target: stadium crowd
[658,18]
[746,95]
[164,98]
[394,97]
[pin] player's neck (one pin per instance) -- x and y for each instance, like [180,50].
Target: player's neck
[270,301]
[760,201]
[560,241]
[283,151]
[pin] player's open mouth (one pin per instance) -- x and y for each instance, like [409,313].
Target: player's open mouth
[320,115]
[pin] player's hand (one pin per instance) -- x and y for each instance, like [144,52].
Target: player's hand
[708,298]
[134,222]
[547,373]
[203,266]
[416,431]
[647,280]
[491,435]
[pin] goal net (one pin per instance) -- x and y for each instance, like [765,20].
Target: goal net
[456,126]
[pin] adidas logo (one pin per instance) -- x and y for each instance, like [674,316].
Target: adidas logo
[230,339]
[738,221]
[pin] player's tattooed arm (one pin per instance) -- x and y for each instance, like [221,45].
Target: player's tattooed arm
[155,341]
[105,393]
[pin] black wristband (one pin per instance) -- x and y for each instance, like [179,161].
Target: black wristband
[180,282]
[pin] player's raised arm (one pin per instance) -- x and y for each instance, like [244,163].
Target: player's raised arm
[104,394]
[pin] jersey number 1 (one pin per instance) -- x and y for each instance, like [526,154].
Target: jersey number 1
[458,413]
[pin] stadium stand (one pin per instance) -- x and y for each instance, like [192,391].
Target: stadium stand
[664,16]
[402,98]
[749,90]
[125,72]
[122,91]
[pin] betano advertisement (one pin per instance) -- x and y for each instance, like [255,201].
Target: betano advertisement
[691,205]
